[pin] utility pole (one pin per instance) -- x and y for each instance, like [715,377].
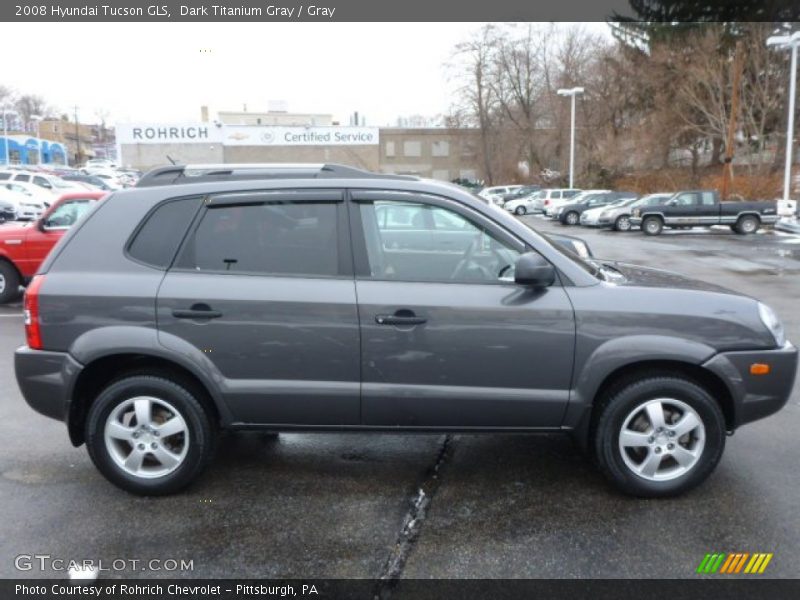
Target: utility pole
[77,138]
[788,42]
[727,168]
[572,92]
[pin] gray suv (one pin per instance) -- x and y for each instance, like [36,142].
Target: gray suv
[324,298]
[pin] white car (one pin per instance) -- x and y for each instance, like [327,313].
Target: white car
[495,193]
[26,206]
[32,190]
[46,182]
[524,204]
[100,163]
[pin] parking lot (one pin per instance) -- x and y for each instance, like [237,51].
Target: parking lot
[417,506]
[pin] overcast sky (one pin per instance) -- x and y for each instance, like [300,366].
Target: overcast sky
[156,72]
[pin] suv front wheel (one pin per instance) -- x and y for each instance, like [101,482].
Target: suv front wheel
[659,436]
[148,435]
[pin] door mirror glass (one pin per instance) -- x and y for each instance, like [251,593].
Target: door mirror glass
[533,270]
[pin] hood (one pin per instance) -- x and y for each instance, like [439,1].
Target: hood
[15,229]
[635,275]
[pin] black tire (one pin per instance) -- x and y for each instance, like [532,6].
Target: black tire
[652,225]
[520,210]
[9,282]
[201,434]
[747,224]
[624,399]
[571,218]
[622,223]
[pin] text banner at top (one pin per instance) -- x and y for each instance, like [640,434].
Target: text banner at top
[397,10]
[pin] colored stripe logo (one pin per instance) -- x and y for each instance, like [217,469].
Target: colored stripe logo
[734,563]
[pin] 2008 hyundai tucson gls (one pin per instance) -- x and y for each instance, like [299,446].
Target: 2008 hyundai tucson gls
[323,298]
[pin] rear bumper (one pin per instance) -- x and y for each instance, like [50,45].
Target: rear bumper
[46,380]
[757,396]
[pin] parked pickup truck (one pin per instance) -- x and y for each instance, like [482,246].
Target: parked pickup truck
[23,246]
[702,208]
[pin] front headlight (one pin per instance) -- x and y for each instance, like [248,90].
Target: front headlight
[771,322]
[636,212]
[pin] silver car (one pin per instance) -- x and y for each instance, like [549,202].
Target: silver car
[618,216]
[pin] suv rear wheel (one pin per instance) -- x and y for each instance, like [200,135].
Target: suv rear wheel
[9,282]
[148,435]
[659,436]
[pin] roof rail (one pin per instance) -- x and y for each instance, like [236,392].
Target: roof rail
[201,173]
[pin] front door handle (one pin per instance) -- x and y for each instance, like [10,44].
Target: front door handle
[401,317]
[197,311]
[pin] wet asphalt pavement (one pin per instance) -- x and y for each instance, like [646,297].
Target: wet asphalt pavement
[349,505]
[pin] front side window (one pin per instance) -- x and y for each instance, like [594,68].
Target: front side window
[65,215]
[42,182]
[690,199]
[273,238]
[23,178]
[414,241]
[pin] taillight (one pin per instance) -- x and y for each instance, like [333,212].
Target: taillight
[546,202]
[33,331]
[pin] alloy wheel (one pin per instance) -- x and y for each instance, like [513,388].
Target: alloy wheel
[146,437]
[662,439]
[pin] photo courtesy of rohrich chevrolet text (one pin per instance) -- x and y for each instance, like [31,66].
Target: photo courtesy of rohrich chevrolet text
[399,300]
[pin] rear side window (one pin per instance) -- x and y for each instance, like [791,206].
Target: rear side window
[274,238]
[22,178]
[5,176]
[161,233]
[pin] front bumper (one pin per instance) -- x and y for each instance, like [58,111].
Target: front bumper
[756,396]
[46,380]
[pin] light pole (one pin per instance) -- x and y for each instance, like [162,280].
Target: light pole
[38,119]
[571,92]
[785,42]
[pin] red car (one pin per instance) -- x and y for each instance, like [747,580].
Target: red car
[23,246]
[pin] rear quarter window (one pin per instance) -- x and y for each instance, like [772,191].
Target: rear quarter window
[162,230]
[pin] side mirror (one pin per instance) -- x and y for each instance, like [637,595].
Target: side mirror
[533,270]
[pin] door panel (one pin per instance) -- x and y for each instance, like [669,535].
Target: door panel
[285,347]
[263,287]
[487,356]
[479,350]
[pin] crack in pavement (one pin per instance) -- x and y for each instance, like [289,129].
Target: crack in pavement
[412,523]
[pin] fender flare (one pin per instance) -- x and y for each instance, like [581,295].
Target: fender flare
[616,354]
[104,342]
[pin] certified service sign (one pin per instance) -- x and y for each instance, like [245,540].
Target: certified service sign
[299,136]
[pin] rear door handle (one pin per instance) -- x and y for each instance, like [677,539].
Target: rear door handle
[400,319]
[196,312]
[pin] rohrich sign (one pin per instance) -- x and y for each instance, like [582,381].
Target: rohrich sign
[228,135]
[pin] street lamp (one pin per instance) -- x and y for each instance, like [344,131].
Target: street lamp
[38,119]
[571,92]
[785,42]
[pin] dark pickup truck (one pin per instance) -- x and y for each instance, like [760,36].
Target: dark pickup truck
[703,208]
